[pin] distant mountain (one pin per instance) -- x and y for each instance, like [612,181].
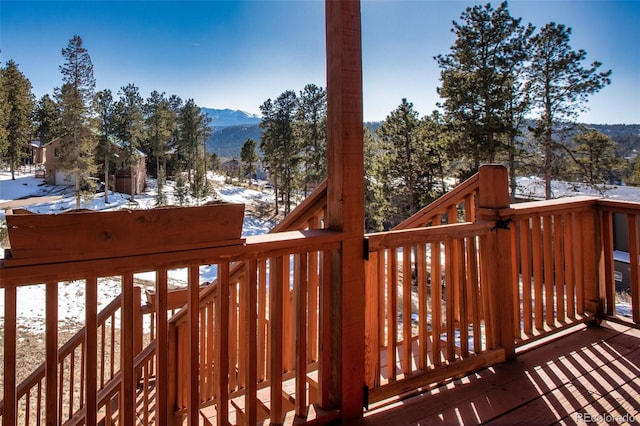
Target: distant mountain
[232,128]
[230,117]
[627,136]
[227,141]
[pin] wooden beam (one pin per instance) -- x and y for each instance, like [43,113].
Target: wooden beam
[345,202]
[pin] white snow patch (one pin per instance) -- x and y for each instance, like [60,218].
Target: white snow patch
[71,295]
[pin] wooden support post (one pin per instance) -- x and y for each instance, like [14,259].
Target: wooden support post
[493,196]
[345,203]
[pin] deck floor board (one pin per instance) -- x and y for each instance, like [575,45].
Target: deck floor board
[588,373]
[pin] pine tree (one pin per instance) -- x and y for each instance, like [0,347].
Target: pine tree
[435,139]
[105,108]
[214,159]
[634,179]
[280,146]
[182,190]
[311,128]
[75,101]
[130,128]
[4,115]
[159,122]
[18,102]
[377,200]
[174,161]
[399,135]
[46,120]
[189,125]
[249,156]
[594,156]
[559,85]
[478,78]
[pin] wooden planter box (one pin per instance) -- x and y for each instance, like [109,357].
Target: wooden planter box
[81,235]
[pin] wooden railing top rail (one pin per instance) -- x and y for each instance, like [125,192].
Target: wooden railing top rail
[549,206]
[619,206]
[313,204]
[402,237]
[439,206]
[259,246]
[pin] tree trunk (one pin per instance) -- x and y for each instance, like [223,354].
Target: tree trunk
[106,179]
[77,176]
[512,168]
[275,190]
[548,163]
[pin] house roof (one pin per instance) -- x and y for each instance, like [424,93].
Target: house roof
[125,145]
[116,142]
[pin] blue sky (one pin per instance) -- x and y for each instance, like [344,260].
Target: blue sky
[226,54]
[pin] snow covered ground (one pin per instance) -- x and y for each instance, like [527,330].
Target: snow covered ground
[31,299]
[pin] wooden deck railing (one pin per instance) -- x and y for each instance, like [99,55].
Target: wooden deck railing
[436,284]
[630,212]
[274,250]
[554,266]
[441,301]
[426,308]
[300,281]
[72,356]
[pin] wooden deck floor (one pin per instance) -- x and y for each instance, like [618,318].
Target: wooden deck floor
[578,379]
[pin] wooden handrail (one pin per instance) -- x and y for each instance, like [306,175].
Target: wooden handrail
[314,204]
[442,204]
[381,240]
[254,247]
[618,206]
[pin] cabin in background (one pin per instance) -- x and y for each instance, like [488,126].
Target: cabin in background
[120,182]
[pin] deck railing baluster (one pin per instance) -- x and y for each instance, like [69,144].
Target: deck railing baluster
[10,339]
[51,363]
[634,275]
